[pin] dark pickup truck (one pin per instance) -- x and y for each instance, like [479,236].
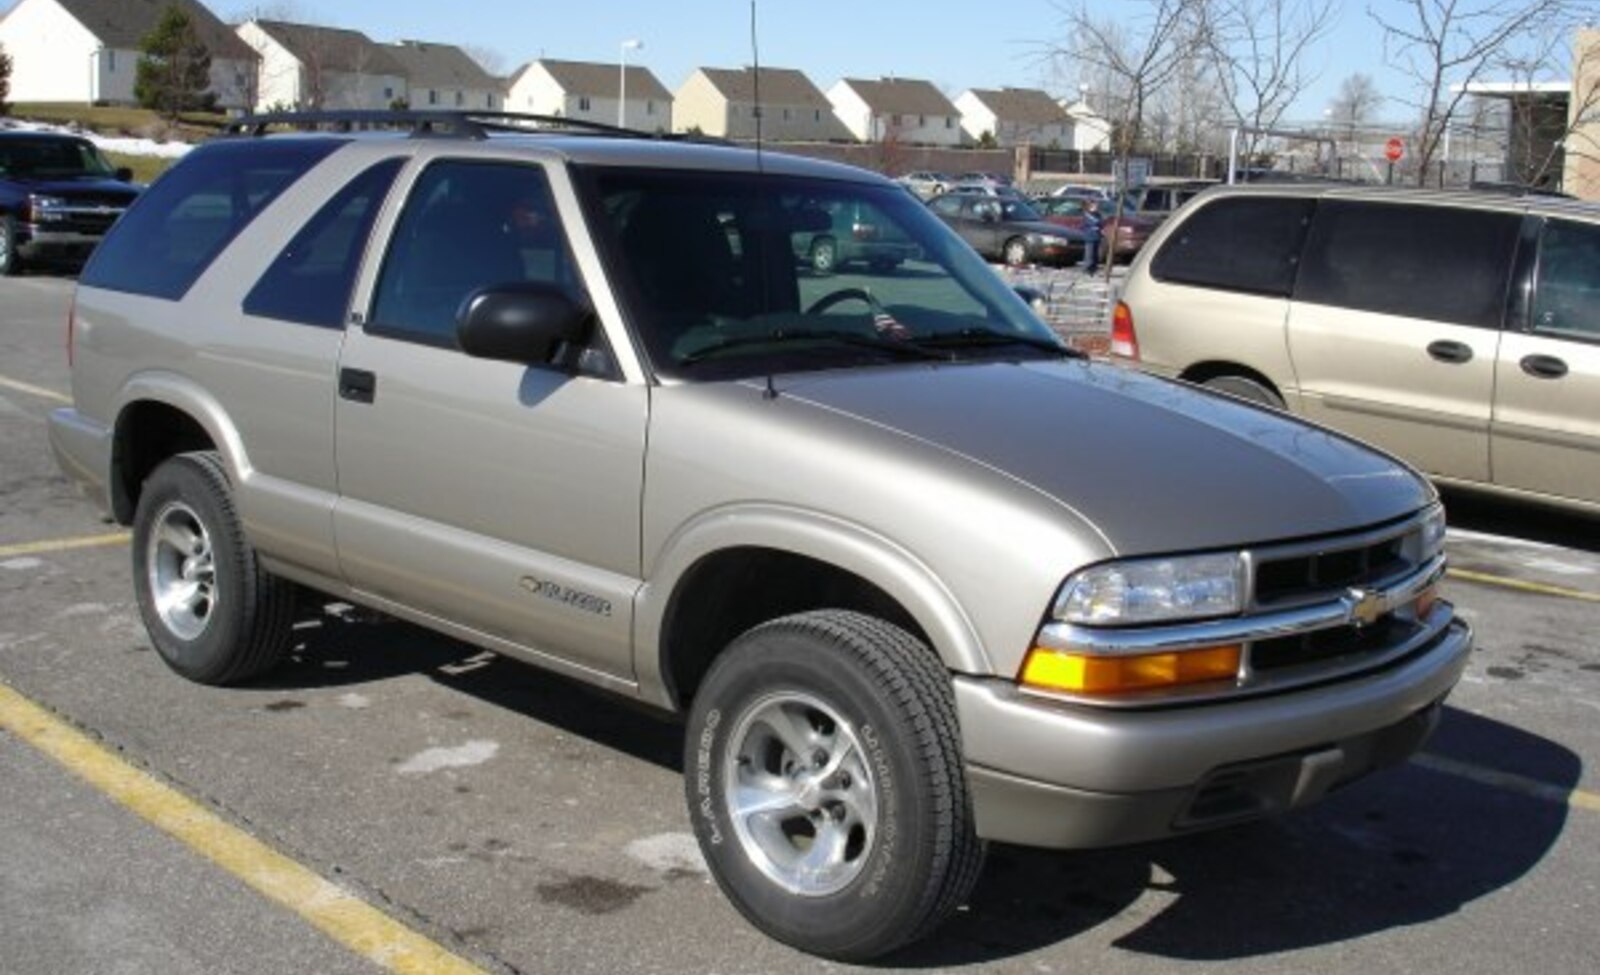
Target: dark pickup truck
[58,197]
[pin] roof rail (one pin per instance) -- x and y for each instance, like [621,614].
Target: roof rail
[464,124]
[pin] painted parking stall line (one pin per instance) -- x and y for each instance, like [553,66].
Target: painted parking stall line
[1508,781]
[1523,585]
[331,909]
[18,386]
[48,546]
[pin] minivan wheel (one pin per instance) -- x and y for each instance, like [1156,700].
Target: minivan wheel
[1016,252]
[1246,388]
[213,614]
[824,255]
[10,263]
[825,784]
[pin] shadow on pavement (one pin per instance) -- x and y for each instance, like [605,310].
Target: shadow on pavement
[1400,848]
[1479,512]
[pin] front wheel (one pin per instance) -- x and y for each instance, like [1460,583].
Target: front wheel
[824,255]
[1015,252]
[825,784]
[10,263]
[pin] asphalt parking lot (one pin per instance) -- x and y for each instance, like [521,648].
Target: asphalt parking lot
[393,800]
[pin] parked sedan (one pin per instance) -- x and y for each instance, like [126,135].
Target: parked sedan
[58,196]
[925,183]
[1129,232]
[1006,229]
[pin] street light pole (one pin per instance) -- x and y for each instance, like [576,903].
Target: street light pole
[622,82]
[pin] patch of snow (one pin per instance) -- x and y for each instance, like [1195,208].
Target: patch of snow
[461,756]
[666,852]
[108,143]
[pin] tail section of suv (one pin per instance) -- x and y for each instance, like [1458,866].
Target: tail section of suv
[1455,330]
[571,398]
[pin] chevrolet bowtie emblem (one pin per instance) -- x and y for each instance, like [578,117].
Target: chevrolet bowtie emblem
[1366,606]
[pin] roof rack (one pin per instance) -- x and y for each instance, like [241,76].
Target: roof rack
[465,124]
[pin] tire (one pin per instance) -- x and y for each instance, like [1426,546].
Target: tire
[10,261]
[222,619]
[1246,388]
[824,255]
[873,704]
[1015,252]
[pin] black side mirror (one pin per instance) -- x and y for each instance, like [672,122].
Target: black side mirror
[124,174]
[524,322]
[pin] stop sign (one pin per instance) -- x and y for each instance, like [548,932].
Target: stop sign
[1394,149]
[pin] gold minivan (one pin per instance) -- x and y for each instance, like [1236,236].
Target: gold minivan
[1459,331]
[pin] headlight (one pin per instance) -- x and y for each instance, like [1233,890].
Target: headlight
[1153,591]
[1433,532]
[40,207]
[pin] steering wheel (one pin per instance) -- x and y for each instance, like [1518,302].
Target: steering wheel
[846,294]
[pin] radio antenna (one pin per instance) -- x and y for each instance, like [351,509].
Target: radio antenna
[755,57]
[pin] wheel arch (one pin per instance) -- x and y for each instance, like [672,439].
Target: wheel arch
[161,415]
[1201,372]
[736,568]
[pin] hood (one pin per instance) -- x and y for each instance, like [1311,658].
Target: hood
[79,188]
[1156,466]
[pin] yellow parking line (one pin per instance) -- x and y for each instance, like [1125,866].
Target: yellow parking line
[1576,798]
[63,544]
[326,906]
[33,390]
[1522,585]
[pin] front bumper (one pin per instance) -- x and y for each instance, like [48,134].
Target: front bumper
[37,242]
[1054,774]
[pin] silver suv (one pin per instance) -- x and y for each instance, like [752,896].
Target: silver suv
[917,575]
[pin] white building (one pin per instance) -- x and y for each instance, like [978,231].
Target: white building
[898,109]
[1015,116]
[722,102]
[87,51]
[1091,132]
[308,67]
[589,91]
[442,76]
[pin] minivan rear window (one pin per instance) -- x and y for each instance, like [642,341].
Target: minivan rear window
[1247,244]
[177,227]
[1446,264]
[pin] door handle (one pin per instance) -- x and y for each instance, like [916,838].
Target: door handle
[358,385]
[1454,353]
[1543,366]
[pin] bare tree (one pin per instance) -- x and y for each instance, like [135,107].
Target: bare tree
[1258,48]
[1540,132]
[487,58]
[1446,45]
[1356,104]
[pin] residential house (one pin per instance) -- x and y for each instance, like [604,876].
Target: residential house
[87,51]
[1014,116]
[310,67]
[1091,132]
[896,109]
[722,102]
[444,77]
[585,90]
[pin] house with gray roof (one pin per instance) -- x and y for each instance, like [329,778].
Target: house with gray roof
[904,110]
[445,77]
[1014,116]
[87,51]
[723,102]
[592,91]
[308,67]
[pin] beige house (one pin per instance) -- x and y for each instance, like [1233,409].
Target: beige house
[898,109]
[87,51]
[309,67]
[590,91]
[442,76]
[1014,116]
[1581,177]
[722,102]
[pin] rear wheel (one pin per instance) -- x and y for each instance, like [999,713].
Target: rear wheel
[825,784]
[10,263]
[1015,252]
[213,614]
[1246,388]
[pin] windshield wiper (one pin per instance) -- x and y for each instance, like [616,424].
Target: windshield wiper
[898,348]
[984,338]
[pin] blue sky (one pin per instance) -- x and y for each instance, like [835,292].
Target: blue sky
[955,45]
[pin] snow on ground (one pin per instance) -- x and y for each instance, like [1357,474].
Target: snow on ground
[107,143]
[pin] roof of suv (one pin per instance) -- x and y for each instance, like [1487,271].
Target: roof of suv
[1474,199]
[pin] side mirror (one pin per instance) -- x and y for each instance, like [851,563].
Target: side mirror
[523,322]
[124,174]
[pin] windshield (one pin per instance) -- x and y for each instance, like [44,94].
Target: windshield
[51,158]
[729,275]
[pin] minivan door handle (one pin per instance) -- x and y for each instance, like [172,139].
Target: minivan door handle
[1454,353]
[1543,366]
[358,385]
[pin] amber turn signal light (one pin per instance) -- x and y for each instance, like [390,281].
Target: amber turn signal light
[1078,673]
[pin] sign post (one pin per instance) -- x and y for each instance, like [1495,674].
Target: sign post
[1393,150]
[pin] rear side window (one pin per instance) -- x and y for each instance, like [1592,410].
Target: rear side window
[1439,263]
[310,281]
[178,226]
[1566,300]
[1249,244]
